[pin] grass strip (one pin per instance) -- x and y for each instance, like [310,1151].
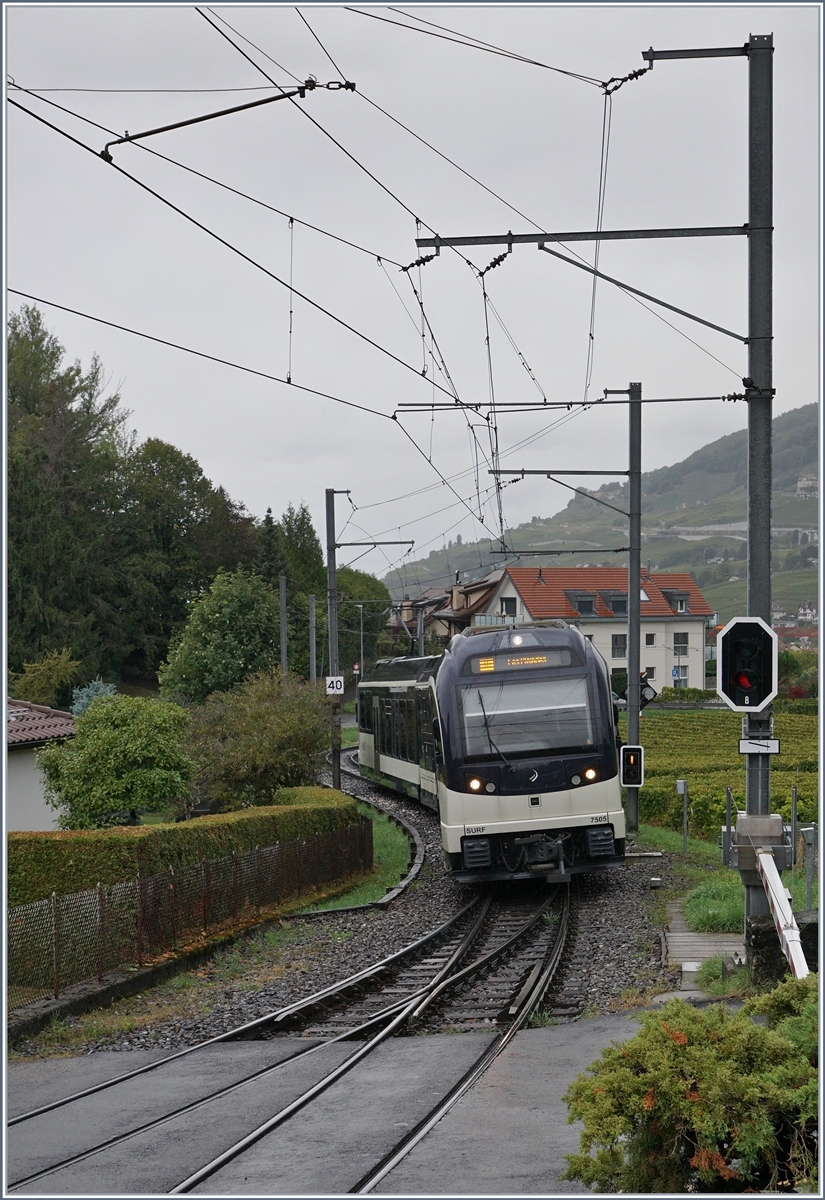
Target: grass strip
[391,856]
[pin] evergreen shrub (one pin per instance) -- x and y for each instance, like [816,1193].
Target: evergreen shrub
[73,861]
[704,1101]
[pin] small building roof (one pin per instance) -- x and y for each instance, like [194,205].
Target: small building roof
[29,725]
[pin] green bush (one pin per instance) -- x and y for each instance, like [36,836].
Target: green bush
[702,1100]
[688,695]
[232,632]
[72,861]
[272,733]
[126,754]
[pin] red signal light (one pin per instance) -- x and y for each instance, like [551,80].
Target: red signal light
[745,680]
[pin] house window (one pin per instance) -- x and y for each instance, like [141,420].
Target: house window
[681,606]
[587,606]
[588,637]
[508,606]
[680,645]
[682,680]
[620,606]
[650,639]
[618,645]
[650,673]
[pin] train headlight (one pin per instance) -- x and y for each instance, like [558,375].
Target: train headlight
[489,787]
[591,774]
[575,780]
[474,784]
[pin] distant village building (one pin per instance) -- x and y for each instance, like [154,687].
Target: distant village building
[807,487]
[674,614]
[28,727]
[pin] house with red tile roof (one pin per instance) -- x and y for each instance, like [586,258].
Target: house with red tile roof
[674,614]
[28,727]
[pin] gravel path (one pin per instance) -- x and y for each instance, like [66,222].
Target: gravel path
[619,947]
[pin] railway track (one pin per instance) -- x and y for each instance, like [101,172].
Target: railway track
[487,968]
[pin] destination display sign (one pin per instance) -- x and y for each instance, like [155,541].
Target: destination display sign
[484,665]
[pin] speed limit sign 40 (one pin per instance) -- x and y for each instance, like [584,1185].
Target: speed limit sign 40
[335,685]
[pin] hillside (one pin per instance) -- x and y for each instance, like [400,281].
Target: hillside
[679,503]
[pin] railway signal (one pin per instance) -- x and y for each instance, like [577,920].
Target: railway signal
[632,766]
[747,664]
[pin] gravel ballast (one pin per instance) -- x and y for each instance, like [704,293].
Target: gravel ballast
[616,954]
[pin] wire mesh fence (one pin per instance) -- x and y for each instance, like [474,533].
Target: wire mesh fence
[64,940]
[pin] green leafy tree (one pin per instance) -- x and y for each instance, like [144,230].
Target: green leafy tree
[304,557]
[703,1101]
[66,441]
[272,732]
[232,632]
[46,680]
[354,588]
[127,755]
[175,532]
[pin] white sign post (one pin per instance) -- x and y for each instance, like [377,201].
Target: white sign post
[335,685]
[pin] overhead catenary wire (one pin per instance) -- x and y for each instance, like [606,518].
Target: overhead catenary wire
[472,44]
[217,237]
[210,179]
[199,353]
[602,84]
[603,163]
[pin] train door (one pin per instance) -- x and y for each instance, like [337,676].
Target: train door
[426,748]
[377,732]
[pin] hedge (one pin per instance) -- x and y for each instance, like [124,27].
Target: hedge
[67,861]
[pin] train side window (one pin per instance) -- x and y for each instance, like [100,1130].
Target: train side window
[365,711]
[412,741]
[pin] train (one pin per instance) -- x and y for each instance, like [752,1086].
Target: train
[511,736]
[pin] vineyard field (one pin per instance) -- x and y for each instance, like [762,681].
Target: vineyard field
[702,747]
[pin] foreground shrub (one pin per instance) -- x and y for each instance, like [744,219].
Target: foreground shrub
[126,754]
[66,862]
[701,1101]
[272,733]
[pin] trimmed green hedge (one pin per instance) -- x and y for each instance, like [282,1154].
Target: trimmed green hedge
[67,861]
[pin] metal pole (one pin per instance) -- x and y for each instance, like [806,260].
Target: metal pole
[55,945]
[634,584]
[332,591]
[809,835]
[282,588]
[313,671]
[420,632]
[759,392]
[360,608]
[685,820]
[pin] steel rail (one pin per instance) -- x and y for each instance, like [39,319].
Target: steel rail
[280,1015]
[409,1007]
[256,1076]
[528,1005]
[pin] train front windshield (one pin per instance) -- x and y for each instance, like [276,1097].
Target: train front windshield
[524,718]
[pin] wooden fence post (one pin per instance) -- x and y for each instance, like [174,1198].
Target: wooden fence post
[55,945]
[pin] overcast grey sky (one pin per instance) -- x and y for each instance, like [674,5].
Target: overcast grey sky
[82,235]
